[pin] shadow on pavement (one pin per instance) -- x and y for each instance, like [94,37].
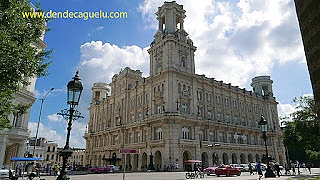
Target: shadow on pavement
[306,176]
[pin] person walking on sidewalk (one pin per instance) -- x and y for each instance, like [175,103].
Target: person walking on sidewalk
[259,170]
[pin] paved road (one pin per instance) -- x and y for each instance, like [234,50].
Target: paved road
[176,176]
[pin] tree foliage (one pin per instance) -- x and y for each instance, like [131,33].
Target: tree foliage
[19,55]
[301,135]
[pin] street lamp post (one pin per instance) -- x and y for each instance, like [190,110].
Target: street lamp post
[263,124]
[42,101]
[74,92]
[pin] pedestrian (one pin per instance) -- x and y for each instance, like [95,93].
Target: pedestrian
[195,168]
[251,169]
[287,168]
[20,169]
[72,170]
[309,167]
[298,165]
[293,166]
[277,168]
[259,170]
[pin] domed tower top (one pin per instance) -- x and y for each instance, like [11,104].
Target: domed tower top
[262,85]
[99,91]
[171,47]
[170,17]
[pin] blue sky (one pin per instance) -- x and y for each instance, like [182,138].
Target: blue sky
[244,38]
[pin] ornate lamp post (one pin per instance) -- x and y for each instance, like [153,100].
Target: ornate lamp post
[74,92]
[263,124]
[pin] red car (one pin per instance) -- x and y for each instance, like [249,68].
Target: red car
[209,170]
[101,169]
[227,170]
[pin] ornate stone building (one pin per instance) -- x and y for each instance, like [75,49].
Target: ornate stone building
[13,141]
[175,114]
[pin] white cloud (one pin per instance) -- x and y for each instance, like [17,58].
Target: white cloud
[99,28]
[236,41]
[99,62]
[244,38]
[285,109]
[48,132]
[55,118]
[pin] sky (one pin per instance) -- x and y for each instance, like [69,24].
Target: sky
[236,40]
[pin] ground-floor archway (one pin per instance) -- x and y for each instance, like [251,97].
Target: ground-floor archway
[144,164]
[186,156]
[215,158]
[135,162]
[242,159]
[257,158]
[250,159]
[234,159]
[204,159]
[225,158]
[158,160]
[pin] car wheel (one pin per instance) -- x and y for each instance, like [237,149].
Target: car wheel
[218,175]
[208,174]
[228,174]
[238,174]
[111,170]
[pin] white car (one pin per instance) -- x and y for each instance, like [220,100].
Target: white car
[115,168]
[4,173]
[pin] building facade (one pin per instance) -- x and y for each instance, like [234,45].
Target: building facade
[309,18]
[13,141]
[175,114]
[47,150]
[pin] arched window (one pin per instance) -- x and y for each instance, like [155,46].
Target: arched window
[201,135]
[209,115]
[211,134]
[185,133]
[139,138]
[159,134]
[230,139]
[184,107]
[221,139]
[183,61]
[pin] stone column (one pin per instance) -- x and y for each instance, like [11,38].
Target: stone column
[21,149]
[3,147]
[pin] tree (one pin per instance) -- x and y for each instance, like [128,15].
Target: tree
[20,56]
[301,135]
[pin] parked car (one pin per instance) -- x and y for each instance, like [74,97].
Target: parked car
[4,173]
[101,169]
[245,167]
[227,170]
[237,166]
[115,168]
[209,170]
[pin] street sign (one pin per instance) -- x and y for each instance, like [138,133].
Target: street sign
[129,151]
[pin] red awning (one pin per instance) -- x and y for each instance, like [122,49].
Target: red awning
[193,161]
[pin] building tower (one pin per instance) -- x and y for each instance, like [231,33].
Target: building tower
[262,85]
[99,92]
[171,48]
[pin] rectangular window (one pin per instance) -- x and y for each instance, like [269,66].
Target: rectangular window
[184,108]
[219,117]
[209,115]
